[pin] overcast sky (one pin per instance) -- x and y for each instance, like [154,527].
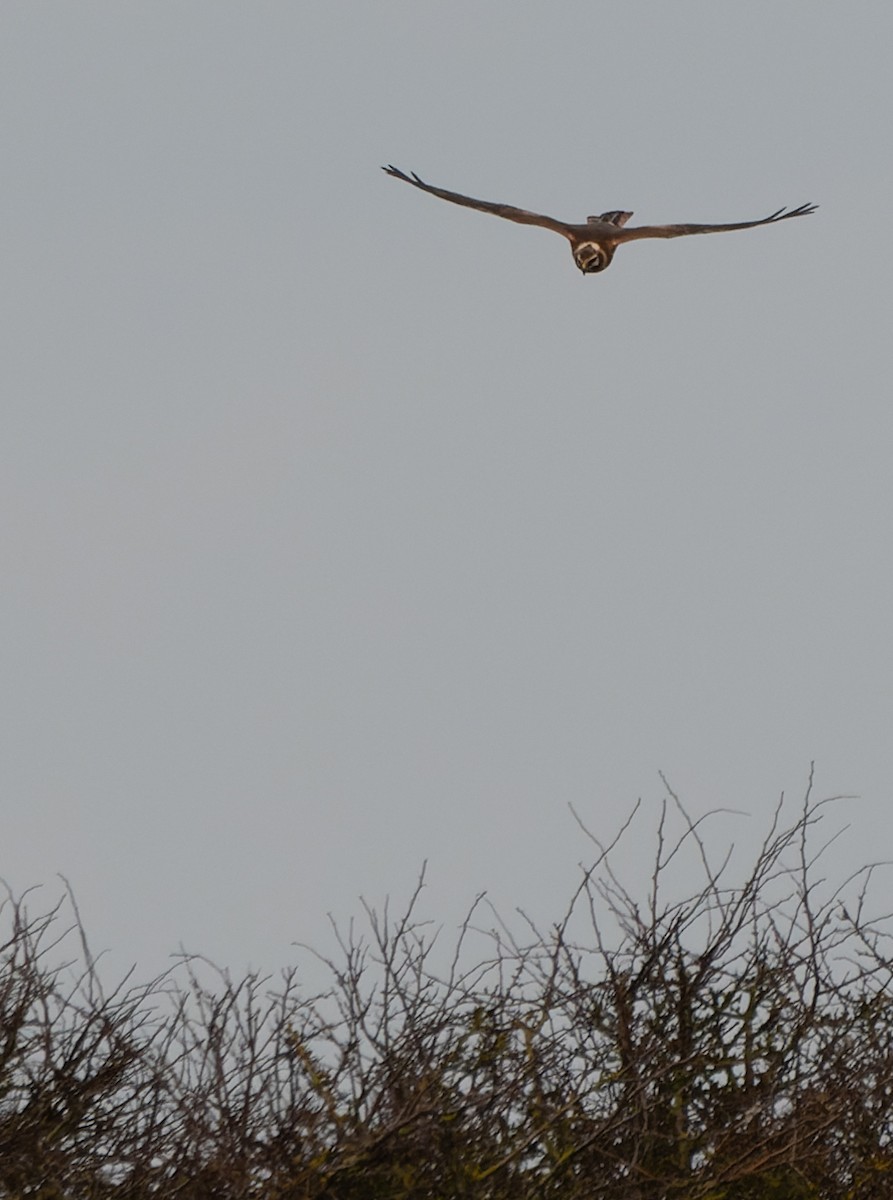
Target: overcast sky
[343,528]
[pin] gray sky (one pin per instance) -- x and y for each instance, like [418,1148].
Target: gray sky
[344,528]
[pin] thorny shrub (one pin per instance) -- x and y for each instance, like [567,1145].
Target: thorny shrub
[732,1044]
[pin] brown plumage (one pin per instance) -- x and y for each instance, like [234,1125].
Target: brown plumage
[593,243]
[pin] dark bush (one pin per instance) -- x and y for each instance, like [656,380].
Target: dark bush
[732,1044]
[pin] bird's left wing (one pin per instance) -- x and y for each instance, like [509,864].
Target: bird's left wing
[671,231]
[521,215]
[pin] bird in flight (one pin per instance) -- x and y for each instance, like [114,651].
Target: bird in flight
[593,243]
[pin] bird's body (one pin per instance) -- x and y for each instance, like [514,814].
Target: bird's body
[593,243]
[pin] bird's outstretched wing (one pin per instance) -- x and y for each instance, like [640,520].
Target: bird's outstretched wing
[671,231]
[521,215]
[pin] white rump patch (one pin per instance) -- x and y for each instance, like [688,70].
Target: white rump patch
[615,217]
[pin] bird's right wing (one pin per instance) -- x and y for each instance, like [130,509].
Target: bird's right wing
[671,231]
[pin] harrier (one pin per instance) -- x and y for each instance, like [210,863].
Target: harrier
[594,243]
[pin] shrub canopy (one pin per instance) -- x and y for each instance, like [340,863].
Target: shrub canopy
[732,1044]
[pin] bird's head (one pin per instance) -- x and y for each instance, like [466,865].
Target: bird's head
[592,257]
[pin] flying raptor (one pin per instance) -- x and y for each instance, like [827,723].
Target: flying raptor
[593,244]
